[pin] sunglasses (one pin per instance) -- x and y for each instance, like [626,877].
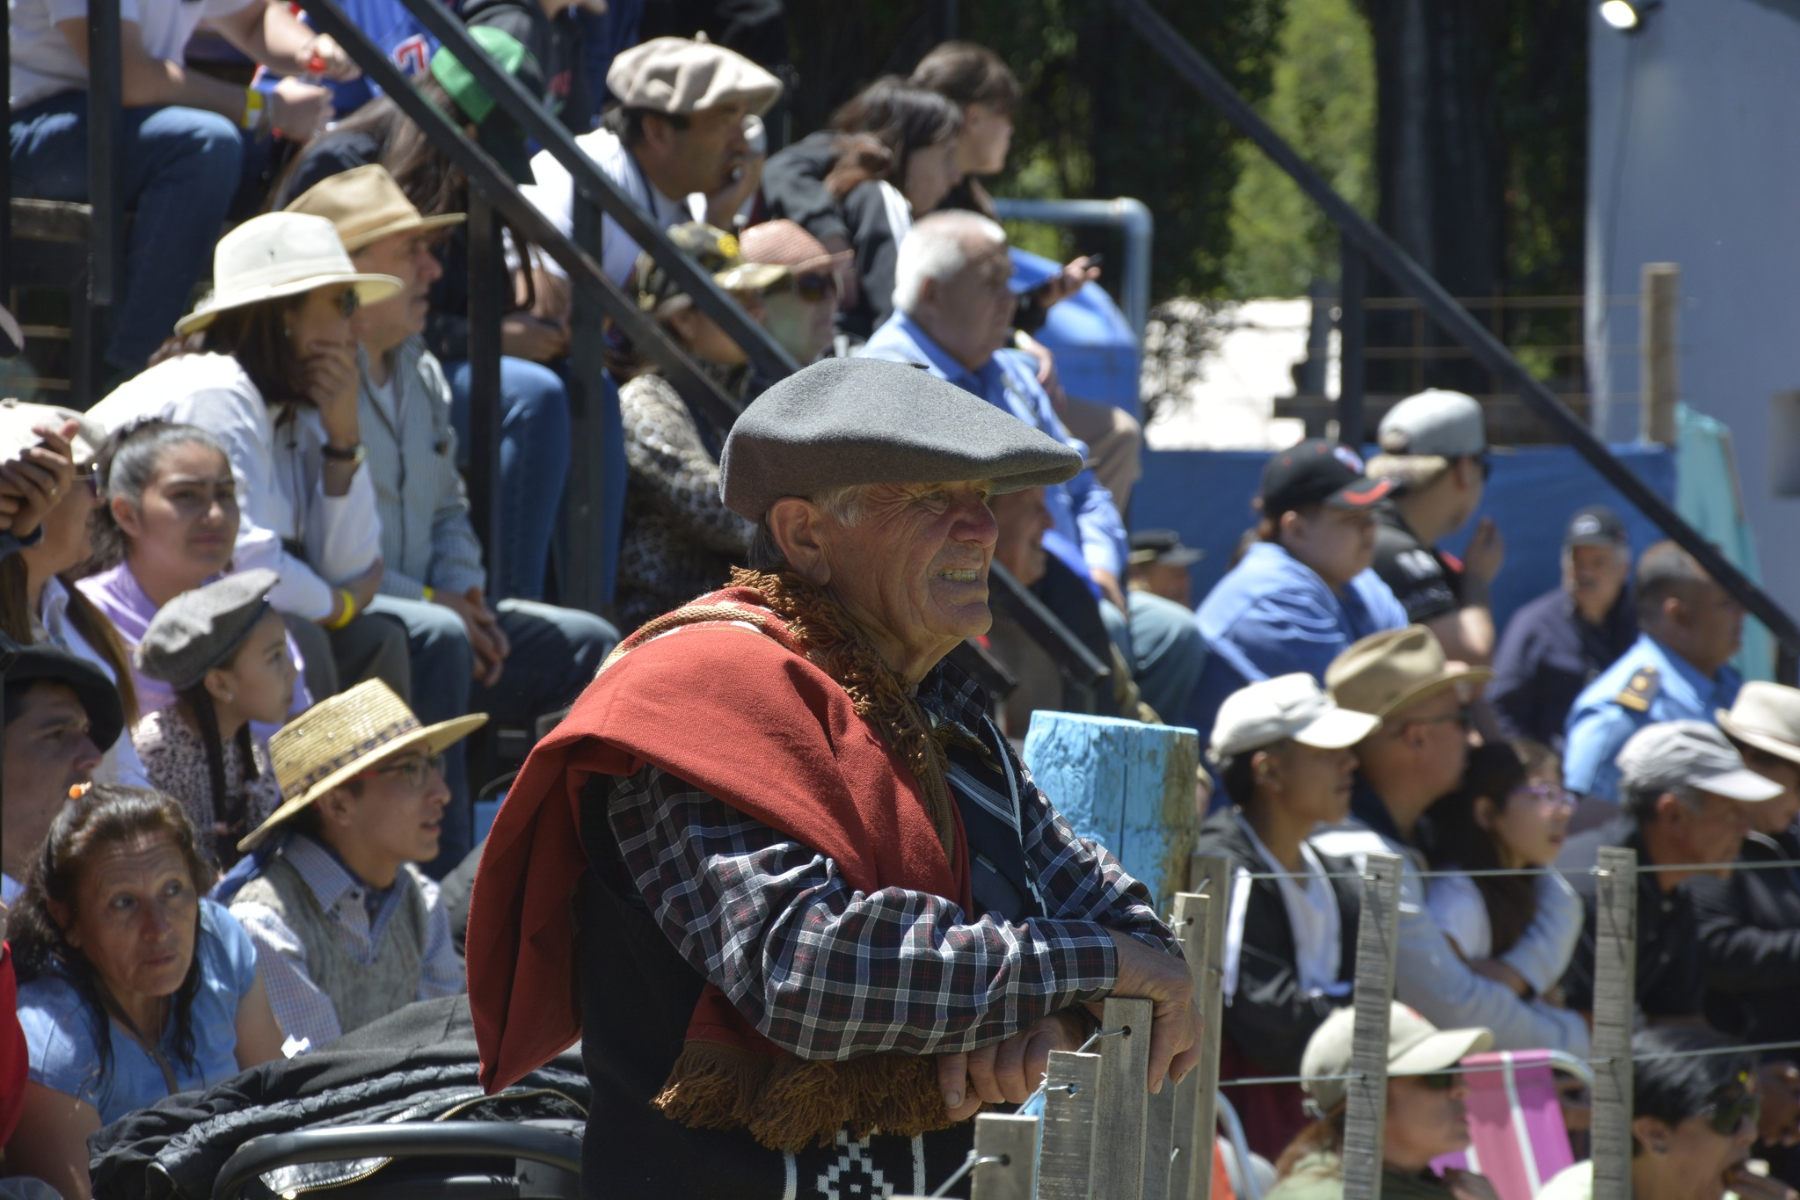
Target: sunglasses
[815,286]
[1485,463]
[89,478]
[1441,1082]
[348,302]
[417,771]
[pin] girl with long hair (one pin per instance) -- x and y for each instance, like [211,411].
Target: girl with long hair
[1511,814]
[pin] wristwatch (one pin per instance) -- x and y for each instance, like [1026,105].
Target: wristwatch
[353,455]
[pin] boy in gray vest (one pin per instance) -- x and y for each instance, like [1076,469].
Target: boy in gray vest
[346,928]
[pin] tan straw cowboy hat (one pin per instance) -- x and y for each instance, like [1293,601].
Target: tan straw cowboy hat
[366,205]
[1767,716]
[1395,669]
[280,254]
[339,737]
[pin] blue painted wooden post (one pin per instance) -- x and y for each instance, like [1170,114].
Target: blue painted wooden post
[1127,785]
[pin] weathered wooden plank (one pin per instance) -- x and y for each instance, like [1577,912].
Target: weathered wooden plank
[1014,1141]
[1200,924]
[1124,1101]
[1127,785]
[1071,1100]
[1159,1144]
[1377,940]
[1615,986]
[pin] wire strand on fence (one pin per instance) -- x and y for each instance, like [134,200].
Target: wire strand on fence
[1485,1068]
[1499,872]
[969,1163]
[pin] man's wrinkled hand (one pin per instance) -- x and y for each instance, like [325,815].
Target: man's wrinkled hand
[1164,979]
[1006,1072]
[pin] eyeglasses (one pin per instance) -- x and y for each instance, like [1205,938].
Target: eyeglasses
[1442,1082]
[348,302]
[417,771]
[1728,1116]
[815,286]
[1553,793]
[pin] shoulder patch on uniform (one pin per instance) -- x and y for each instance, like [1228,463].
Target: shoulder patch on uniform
[1641,691]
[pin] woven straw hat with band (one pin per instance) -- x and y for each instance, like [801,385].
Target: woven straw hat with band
[339,737]
[1767,716]
[1395,669]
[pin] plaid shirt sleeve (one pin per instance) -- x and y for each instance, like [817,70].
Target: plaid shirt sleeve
[830,973]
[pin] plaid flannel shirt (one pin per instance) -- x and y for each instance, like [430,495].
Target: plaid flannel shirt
[827,972]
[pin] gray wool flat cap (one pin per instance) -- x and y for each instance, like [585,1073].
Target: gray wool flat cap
[849,421]
[198,630]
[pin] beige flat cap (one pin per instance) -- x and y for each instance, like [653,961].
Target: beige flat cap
[680,75]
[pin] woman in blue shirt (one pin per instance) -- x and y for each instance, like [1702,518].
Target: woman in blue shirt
[1304,591]
[132,986]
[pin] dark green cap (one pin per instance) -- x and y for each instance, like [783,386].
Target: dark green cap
[501,136]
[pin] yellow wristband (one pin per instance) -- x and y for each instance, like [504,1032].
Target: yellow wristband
[349,610]
[429,593]
[253,108]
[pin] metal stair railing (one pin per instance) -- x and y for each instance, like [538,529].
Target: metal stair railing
[1365,243]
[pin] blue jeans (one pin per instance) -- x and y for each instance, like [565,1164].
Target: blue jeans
[1159,639]
[534,466]
[555,654]
[182,167]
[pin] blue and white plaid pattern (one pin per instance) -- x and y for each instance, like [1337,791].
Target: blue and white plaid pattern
[827,972]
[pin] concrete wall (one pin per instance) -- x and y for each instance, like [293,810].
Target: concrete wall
[1695,159]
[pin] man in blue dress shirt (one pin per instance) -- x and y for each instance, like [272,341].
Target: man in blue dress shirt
[1677,669]
[954,312]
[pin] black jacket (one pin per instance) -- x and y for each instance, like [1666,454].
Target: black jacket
[1750,942]
[419,1063]
[1668,948]
[1269,1018]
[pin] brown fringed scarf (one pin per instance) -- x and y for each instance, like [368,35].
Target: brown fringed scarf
[728,1076]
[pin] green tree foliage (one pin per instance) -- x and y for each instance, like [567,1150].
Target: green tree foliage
[1323,102]
[1103,114]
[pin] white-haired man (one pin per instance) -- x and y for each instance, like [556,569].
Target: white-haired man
[954,312]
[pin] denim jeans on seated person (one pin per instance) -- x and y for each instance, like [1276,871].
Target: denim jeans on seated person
[182,166]
[555,654]
[534,465]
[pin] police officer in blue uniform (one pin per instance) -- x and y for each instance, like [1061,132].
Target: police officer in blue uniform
[1677,669]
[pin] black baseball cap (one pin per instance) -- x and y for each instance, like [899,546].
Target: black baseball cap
[1596,525]
[1162,546]
[99,697]
[1318,472]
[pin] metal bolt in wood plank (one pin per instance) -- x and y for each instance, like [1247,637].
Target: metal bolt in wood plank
[1014,1140]
[1124,1100]
[1071,1100]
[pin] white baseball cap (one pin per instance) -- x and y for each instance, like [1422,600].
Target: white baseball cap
[1288,706]
[1674,754]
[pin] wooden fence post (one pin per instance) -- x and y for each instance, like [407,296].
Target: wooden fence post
[1123,1103]
[1615,1000]
[1377,942]
[1661,303]
[1200,921]
[1127,785]
[1071,1105]
[1013,1140]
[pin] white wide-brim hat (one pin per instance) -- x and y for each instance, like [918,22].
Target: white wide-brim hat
[280,254]
[1767,716]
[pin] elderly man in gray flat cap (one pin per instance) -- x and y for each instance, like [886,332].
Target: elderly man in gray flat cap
[777,870]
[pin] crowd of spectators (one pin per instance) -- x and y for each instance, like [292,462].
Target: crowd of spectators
[256,626]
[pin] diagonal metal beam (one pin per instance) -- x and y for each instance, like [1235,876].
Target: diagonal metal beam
[765,354]
[1387,256]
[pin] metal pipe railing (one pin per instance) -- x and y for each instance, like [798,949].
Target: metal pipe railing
[765,354]
[1385,254]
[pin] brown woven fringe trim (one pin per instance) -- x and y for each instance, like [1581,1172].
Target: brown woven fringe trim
[788,1104]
